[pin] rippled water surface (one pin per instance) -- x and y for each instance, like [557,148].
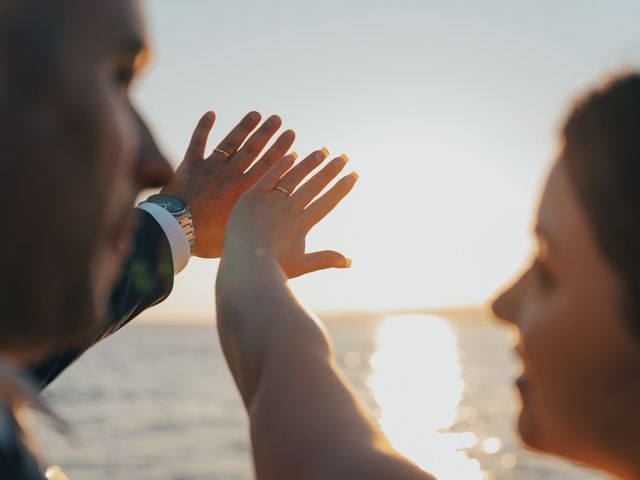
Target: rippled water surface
[156,402]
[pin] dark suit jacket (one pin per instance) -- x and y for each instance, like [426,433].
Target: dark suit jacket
[146,280]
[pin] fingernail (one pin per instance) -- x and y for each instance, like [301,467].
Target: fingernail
[341,161]
[325,151]
[345,156]
[352,177]
[294,155]
[344,263]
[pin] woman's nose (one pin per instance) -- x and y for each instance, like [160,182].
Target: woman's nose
[506,306]
[502,306]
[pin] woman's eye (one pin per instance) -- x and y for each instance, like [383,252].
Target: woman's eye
[542,275]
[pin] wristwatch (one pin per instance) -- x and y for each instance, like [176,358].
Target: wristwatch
[180,211]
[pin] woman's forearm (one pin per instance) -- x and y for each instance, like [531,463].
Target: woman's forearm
[305,422]
[258,315]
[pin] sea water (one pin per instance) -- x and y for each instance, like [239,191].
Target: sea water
[157,402]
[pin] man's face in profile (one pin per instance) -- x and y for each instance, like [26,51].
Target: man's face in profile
[79,155]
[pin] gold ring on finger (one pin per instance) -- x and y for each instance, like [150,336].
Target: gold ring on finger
[284,190]
[222,152]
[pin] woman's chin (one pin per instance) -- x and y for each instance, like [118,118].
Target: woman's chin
[527,430]
[531,434]
[526,420]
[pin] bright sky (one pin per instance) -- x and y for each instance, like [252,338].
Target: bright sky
[448,110]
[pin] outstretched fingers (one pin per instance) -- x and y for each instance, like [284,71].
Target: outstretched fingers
[270,180]
[327,202]
[279,148]
[228,147]
[256,143]
[198,142]
[312,188]
[298,173]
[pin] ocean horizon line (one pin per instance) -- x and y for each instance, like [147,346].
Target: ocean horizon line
[460,312]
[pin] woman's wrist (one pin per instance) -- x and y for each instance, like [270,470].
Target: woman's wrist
[245,248]
[244,280]
[257,315]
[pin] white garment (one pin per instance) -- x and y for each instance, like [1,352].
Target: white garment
[180,251]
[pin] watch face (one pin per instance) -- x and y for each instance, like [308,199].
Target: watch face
[172,204]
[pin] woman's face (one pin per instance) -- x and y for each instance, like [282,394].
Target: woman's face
[580,386]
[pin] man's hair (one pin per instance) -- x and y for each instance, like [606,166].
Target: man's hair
[602,153]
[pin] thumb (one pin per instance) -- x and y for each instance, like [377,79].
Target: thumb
[322,260]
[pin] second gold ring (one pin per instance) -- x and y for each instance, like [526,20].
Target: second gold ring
[222,152]
[284,190]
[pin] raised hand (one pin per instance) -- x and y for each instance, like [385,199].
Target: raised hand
[275,215]
[212,185]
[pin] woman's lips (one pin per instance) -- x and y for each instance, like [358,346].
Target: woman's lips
[522,384]
[521,381]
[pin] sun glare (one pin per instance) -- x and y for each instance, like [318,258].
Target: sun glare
[417,383]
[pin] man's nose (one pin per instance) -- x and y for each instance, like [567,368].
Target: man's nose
[152,170]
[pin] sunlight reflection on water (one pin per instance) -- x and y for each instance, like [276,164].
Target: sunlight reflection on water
[416,380]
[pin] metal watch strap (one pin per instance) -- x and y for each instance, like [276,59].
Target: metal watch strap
[186,222]
[181,214]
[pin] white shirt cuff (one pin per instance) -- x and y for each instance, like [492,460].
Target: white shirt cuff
[180,251]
